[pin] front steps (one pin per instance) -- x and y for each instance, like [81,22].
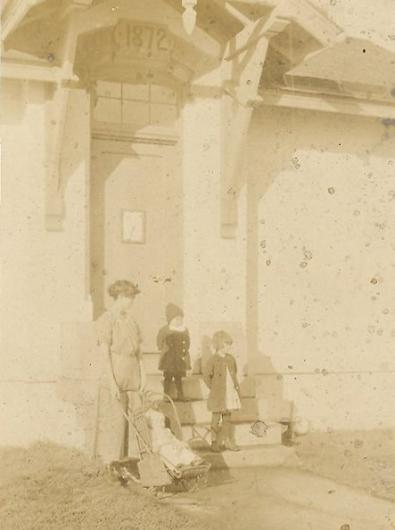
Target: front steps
[81,368]
[191,412]
[196,389]
[198,435]
[256,405]
[251,456]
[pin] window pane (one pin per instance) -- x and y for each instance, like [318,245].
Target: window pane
[108,110]
[135,113]
[105,88]
[162,94]
[139,92]
[164,115]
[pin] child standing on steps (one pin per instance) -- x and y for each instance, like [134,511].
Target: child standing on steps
[173,342]
[220,375]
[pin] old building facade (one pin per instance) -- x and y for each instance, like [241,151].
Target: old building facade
[255,154]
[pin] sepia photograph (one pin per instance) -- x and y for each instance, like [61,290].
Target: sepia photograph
[197,275]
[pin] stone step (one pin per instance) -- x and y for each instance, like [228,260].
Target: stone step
[252,456]
[151,362]
[195,388]
[79,390]
[199,435]
[270,387]
[193,412]
[279,410]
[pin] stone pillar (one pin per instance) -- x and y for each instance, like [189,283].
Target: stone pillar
[73,269]
[75,171]
[214,267]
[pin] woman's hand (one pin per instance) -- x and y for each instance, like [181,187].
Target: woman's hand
[143,377]
[114,389]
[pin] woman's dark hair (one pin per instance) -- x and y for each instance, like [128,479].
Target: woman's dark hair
[123,287]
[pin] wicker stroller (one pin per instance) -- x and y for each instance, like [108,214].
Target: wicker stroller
[154,472]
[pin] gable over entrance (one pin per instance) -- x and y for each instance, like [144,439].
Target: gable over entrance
[247,52]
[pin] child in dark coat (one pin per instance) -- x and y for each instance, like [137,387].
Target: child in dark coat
[173,342]
[220,375]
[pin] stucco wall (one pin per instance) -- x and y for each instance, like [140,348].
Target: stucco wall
[214,267]
[322,258]
[318,268]
[43,273]
[148,180]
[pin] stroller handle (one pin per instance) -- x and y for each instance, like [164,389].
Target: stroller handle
[160,396]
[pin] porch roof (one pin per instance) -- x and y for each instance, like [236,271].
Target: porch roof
[311,54]
[350,65]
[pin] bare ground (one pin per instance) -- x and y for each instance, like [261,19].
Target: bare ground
[361,459]
[50,487]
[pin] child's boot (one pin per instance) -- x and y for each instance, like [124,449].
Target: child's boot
[215,448]
[167,384]
[180,390]
[216,438]
[231,446]
[221,437]
[229,443]
[181,396]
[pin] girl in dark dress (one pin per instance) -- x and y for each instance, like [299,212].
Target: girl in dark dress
[173,342]
[220,376]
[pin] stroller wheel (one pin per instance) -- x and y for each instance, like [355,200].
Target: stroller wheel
[116,472]
[202,480]
[153,491]
[190,484]
[112,471]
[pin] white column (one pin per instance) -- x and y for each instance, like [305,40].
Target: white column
[75,168]
[214,267]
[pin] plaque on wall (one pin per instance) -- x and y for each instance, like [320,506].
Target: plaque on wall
[128,39]
[141,39]
[133,226]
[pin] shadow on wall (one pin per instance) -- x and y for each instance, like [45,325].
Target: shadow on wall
[281,134]
[103,167]
[16,96]
[239,348]
[261,387]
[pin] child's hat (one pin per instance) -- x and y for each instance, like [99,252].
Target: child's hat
[173,311]
[220,338]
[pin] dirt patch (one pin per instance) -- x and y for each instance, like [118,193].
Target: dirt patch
[364,460]
[50,487]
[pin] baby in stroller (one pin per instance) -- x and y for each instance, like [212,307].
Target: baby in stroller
[174,453]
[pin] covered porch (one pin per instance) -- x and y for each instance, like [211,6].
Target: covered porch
[196,136]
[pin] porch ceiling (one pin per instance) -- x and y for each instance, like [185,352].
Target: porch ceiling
[220,19]
[350,65]
[307,55]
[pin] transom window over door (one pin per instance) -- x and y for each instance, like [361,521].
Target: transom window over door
[137,105]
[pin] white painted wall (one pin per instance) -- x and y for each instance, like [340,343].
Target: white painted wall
[43,273]
[214,267]
[325,317]
[362,18]
[324,188]
[148,180]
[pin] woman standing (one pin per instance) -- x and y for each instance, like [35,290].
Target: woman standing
[119,339]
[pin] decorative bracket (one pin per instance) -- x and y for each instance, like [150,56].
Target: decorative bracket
[55,208]
[242,67]
[189,15]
